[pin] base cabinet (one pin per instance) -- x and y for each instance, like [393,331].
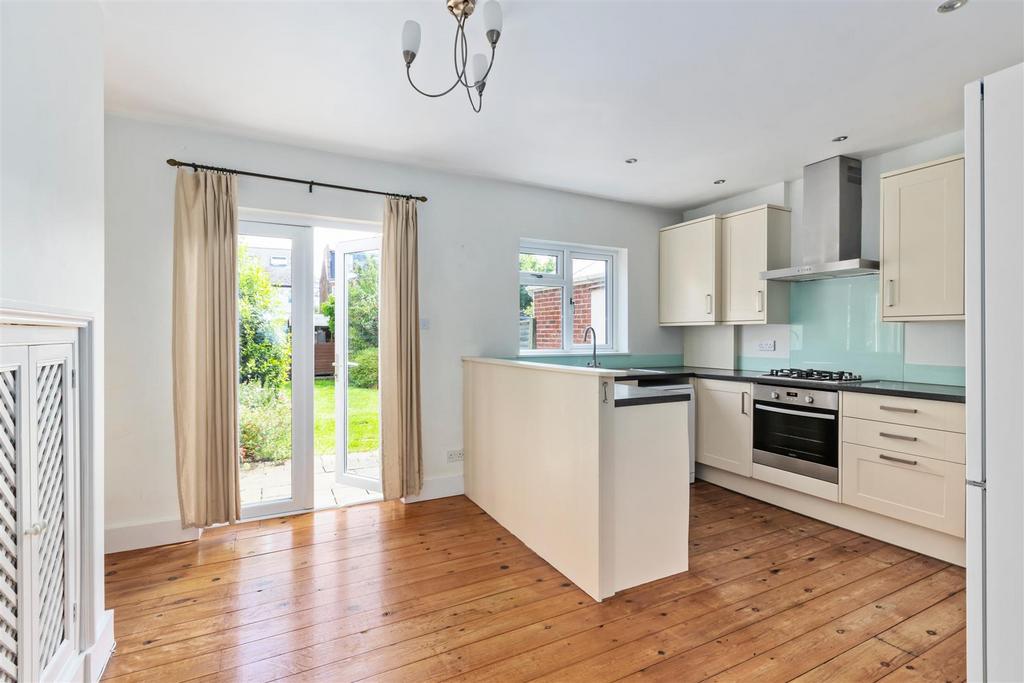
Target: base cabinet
[724,426]
[915,489]
[904,458]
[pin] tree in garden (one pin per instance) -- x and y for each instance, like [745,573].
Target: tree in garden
[363,303]
[264,350]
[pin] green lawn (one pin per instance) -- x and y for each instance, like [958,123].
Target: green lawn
[364,418]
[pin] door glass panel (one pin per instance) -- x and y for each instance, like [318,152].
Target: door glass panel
[540,317]
[358,408]
[589,300]
[265,368]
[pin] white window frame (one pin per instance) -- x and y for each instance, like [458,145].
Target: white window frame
[563,278]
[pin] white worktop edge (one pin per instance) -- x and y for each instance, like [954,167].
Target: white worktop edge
[549,367]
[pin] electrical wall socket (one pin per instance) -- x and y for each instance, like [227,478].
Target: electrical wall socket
[456,455]
[766,345]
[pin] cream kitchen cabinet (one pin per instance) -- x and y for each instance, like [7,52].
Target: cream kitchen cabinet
[753,241]
[724,425]
[904,458]
[922,242]
[689,272]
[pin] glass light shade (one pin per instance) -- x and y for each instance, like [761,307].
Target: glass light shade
[492,16]
[411,37]
[479,67]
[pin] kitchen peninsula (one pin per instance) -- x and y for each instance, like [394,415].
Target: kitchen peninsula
[591,475]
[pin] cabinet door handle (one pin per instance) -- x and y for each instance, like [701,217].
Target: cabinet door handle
[897,409]
[890,293]
[897,436]
[36,529]
[743,403]
[893,458]
[760,300]
[707,301]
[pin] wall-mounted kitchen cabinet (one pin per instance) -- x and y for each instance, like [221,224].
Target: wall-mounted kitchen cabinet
[753,241]
[725,426]
[922,242]
[689,272]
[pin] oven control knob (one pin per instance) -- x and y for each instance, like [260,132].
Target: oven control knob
[775,394]
[809,399]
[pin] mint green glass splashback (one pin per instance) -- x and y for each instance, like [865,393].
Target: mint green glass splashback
[835,324]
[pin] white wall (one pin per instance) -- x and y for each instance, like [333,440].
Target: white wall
[51,178]
[924,343]
[469,233]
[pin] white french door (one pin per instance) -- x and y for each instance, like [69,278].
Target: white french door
[275,389]
[357,406]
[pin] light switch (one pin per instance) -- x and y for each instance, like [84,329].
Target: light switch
[424,323]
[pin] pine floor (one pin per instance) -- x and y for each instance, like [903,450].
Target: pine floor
[438,590]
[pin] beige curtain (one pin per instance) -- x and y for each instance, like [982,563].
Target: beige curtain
[401,457]
[205,347]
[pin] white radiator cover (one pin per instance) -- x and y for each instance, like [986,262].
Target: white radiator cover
[41,528]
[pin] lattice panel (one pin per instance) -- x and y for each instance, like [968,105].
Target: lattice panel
[9,525]
[50,419]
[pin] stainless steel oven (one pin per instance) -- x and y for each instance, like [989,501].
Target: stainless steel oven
[797,430]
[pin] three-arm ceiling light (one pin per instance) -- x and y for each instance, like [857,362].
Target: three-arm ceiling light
[480,65]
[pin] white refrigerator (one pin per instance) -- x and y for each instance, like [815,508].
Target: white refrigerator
[994,206]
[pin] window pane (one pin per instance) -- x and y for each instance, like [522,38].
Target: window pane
[589,298]
[545,264]
[540,317]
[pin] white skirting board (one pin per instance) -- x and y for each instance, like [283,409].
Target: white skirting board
[147,535]
[942,546]
[438,487]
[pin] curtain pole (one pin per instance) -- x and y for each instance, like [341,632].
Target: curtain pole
[310,183]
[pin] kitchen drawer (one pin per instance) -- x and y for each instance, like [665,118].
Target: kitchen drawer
[913,412]
[915,489]
[930,443]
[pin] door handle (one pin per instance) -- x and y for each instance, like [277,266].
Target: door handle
[36,529]
[889,293]
[892,458]
[901,437]
[707,301]
[759,300]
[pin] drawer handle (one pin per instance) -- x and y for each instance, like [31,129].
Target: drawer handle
[707,302]
[893,458]
[897,436]
[897,409]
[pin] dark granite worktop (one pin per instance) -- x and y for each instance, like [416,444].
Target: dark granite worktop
[934,392]
[629,395]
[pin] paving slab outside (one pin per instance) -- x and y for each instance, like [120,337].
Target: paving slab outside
[264,481]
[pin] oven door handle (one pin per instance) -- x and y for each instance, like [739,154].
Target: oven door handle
[799,413]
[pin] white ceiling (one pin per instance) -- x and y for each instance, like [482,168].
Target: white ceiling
[748,91]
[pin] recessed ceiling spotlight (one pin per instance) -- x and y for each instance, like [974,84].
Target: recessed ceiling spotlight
[840,138]
[720,181]
[950,6]
[631,160]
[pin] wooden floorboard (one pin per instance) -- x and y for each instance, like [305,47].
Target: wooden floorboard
[439,591]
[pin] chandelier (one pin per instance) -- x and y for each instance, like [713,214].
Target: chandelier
[479,65]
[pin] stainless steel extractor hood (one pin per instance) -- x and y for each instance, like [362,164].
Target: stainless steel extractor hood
[832,217]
